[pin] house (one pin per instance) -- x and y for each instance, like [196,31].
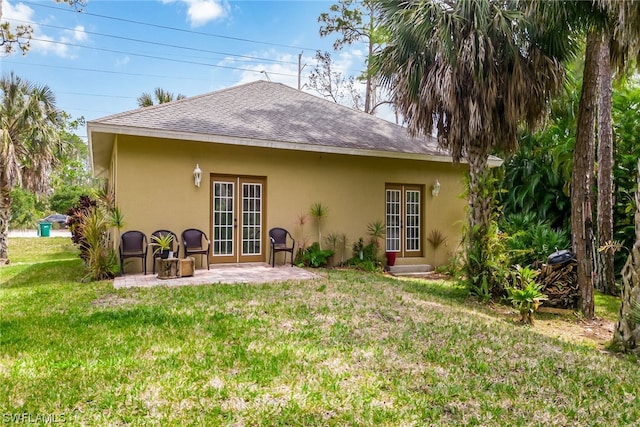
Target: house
[267,152]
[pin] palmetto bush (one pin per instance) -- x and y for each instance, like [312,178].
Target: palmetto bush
[529,242]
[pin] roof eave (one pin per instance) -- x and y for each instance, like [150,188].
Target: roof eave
[253,142]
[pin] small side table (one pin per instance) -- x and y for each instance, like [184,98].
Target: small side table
[168,268]
[187,266]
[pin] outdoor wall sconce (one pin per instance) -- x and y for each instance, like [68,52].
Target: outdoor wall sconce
[435,190]
[197,175]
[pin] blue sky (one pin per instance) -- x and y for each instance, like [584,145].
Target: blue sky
[99,61]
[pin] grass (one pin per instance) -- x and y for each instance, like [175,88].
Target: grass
[350,349]
[606,306]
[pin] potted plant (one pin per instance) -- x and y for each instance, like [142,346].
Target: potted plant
[162,245]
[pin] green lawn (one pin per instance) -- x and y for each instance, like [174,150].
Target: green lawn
[351,349]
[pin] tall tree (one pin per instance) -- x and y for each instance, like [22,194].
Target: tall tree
[161,96]
[333,85]
[582,176]
[619,20]
[621,40]
[30,135]
[357,20]
[605,272]
[475,69]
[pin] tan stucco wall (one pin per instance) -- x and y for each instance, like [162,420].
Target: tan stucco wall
[155,189]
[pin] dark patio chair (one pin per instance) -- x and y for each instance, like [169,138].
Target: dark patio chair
[195,242]
[133,244]
[175,245]
[281,241]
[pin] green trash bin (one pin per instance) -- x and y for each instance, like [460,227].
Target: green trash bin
[45,229]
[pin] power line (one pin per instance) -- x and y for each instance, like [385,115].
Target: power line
[165,27]
[227,67]
[94,70]
[103,95]
[156,43]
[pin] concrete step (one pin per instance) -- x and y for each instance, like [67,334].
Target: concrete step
[410,270]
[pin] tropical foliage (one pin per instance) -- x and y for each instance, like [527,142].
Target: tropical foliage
[525,294]
[161,96]
[314,256]
[535,180]
[474,71]
[529,241]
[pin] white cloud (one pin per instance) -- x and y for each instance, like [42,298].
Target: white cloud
[20,12]
[123,61]
[41,42]
[266,70]
[79,34]
[46,44]
[201,12]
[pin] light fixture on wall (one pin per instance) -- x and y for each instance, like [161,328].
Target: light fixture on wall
[435,190]
[197,175]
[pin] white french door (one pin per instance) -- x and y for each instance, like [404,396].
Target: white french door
[237,211]
[403,206]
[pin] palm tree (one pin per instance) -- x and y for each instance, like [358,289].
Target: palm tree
[161,95]
[30,135]
[475,69]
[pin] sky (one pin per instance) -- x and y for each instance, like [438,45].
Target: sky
[99,61]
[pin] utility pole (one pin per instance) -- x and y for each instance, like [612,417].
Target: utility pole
[300,68]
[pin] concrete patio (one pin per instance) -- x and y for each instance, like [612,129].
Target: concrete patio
[221,273]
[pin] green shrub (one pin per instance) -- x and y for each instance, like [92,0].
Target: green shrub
[525,294]
[77,215]
[64,198]
[101,260]
[530,242]
[26,209]
[485,263]
[454,267]
[315,257]
[365,257]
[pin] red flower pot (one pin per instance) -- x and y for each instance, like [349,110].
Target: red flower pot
[391,258]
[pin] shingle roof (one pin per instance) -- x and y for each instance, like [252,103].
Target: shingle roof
[273,112]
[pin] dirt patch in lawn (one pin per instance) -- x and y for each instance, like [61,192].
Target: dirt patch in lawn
[568,326]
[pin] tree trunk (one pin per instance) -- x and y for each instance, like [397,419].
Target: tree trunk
[479,200]
[367,93]
[582,177]
[605,277]
[480,278]
[627,332]
[5,214]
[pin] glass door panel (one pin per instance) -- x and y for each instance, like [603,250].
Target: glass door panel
[237,219]
[403,216]
[393,220]
[223,218]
